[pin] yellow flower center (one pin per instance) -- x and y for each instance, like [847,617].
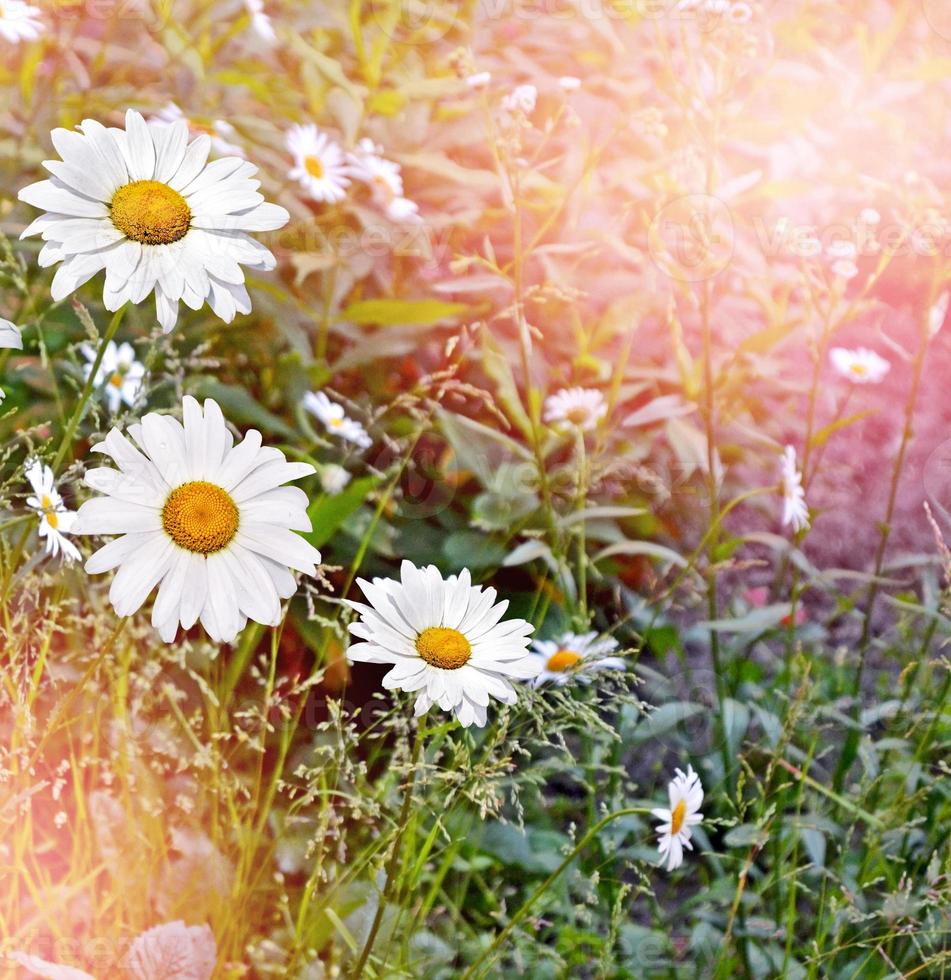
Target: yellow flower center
[859,370]
[562,660]
[578,415]
[200,517]
[314,167]
[49,512]
[677,817]
[116,380]
[442,647]
[150,212]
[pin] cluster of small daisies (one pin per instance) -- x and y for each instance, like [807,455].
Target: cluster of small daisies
[212,527]
[324,171]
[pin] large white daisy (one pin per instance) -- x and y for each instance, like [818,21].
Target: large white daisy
[120,374]
[444,639]
[10,335]
[320,166]
[144,204]
[676,823]
[19,21]
[56,520]
[209,522]
[573,654]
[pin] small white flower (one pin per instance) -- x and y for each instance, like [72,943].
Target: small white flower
[741,13]
[569,83]
[120,374]
[522,99]
[795,511]
[320,166]
[210,523]
[444,639]
[479,80]
[573,655]
[144,205]
[334,478]
[582,408]
[260,22]
[863,366]
[335,419]
[675,829]
[56,521]
[845,269]
[384,180]
[10,335]
[869,216]
[19,21]
[937,314]
[220,133]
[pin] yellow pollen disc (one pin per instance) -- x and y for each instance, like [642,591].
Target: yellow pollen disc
[442,647]
[859,370]
[335,423]
[49,513]
[150,212]
[562,660]
[200,517]
[577,415]
[314,167]
[677,817]
[116,380]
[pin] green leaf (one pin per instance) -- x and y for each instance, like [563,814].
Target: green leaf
[240,407]
[471,549]
[390,312]
[327,513]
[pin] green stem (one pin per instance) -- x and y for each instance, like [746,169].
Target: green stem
[546,884]
[71,426]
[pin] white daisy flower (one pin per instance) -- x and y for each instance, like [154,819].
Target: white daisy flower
[261,23]
[522,98]
[569,83]
[444,639]
[582,408]
[142,204]
[10,335]
[384,179]
[863,366]
[795,511]
[674,831]
[869,216]
[333,479]
[208,522]
[19,21]
[320,166]
[220,133]
[120,374]
[479,80]
[56,521]
[574,653]
[335,419]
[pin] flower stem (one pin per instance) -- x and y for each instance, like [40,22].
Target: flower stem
[73,424]
[391,866]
